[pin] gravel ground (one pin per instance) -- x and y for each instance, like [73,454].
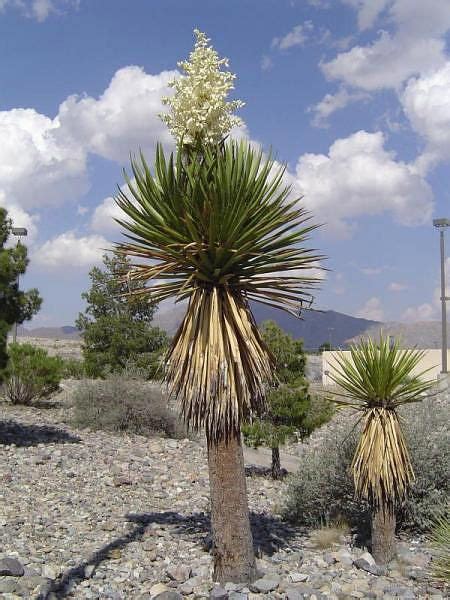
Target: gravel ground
[98,515]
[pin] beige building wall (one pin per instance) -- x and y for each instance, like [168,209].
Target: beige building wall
[431,360]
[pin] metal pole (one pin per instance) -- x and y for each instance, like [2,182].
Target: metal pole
[15,324]
[443,304]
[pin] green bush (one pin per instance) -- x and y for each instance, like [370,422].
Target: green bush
[146,365]
[73,368]
[30,373]
[125,405]
[323,491]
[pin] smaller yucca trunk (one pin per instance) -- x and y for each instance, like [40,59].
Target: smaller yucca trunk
[276,463]
[234,558]
[382,471]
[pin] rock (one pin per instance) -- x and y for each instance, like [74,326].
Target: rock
[344,557]
[9,585]
[264,586]
[188,586]
[218,593]
[237,596]
[299,592]
[120,480]
[298,577]
[49,572]
[89,571]
[362,564]
[368,558]
[11,566]
[169,595]
[400,591]
[329,558]
[158,588]
[179,573]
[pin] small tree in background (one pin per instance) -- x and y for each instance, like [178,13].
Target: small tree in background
[15,306]
[289,411]
[117,327]
[326,346]
[376,380]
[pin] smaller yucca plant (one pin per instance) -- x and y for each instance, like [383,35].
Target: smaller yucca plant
[376,379]
[441,545]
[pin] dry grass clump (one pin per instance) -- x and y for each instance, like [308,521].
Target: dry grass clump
[329,535]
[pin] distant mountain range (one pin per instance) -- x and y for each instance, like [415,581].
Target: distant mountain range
[423,334]
[67,332]
[314,327]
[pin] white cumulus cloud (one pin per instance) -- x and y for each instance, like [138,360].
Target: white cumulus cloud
[103,218]
[423,312]
[20,218]
[298,36]
[39,9]
[35,167]
[397,286]
[415,46]
[69,251]
[123,119]
[330,103]
[360,177]
[371,310]
[426,102]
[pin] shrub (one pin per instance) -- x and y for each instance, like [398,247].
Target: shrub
[125,405]
[30,373]
[323,490]
[428,437]
[147,365]
[73,368]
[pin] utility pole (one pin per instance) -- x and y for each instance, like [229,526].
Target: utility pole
[18,232]
[441,225]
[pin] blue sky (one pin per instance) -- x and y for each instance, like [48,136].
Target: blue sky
[354,95]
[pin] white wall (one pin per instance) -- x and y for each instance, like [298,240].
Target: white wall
[431,360]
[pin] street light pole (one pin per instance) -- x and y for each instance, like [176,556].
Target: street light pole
[443,304]
[441,225]
[18,232]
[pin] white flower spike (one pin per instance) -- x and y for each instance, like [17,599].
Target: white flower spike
[199,112]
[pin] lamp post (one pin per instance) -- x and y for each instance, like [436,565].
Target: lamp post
[19,232]
[441,225]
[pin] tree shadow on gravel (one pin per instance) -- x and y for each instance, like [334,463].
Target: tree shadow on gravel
[270,535]
[20,434]
[266,472]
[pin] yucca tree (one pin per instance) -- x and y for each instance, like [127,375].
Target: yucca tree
[219,230]
[376,380]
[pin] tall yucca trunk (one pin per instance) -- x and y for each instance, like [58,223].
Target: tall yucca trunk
[383,534]
[218,367]
[234,558]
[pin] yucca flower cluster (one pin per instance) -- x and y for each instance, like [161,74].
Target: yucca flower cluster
[199,110]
